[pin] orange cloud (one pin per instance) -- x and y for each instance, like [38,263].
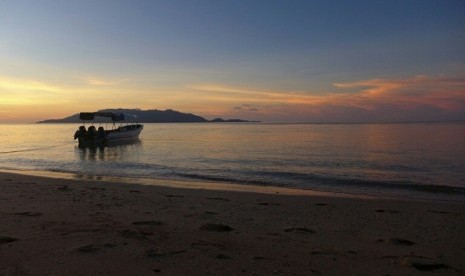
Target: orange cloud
[441,92]
[98,81]
[225,93]
[25,85]
[415,98]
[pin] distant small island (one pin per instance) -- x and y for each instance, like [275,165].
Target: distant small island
[151,116]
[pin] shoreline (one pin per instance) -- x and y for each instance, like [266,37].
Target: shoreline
[192,184]
[233,187]
[79,227]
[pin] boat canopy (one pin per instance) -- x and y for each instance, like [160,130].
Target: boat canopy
[88,116]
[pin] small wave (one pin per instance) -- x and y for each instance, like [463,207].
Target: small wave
[321,182]
[34,149]
[224,179]
[309,178]
[397,185]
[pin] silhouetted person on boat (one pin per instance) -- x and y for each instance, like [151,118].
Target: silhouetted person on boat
[81,132]
[91,134]
[101,132]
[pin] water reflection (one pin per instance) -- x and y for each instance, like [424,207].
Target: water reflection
[114,152]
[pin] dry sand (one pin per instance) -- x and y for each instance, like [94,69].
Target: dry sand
[73,227]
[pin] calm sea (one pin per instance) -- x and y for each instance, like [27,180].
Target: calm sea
[424,160]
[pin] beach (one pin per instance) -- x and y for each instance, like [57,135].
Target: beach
[53,226]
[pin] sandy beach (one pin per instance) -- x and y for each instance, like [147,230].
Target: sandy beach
[79,227]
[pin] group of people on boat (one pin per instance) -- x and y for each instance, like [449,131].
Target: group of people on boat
[90,135]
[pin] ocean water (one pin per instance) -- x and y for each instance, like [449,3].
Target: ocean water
[422,160]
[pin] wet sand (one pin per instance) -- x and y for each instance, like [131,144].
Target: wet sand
[78,227]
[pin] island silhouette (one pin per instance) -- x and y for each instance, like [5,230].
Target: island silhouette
[150,116]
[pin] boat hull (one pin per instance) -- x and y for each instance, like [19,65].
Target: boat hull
[121,135]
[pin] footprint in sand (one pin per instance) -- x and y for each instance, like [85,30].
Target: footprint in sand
[421,263]
[331,252]
[151,253]
[93,248]
[206,244]
[216,227]
[397,241]
[218,198]
[442,212]
[211,213]
[64,188]
[269,203]
[128,233]
[29,214]
[386,211]
[303,230]
[87,248]
[178,196]
[222,256]
[423,266]
[6,239]
[148,222]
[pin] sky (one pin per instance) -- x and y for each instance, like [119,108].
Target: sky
[273,61]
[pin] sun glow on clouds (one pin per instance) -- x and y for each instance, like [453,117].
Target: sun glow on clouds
[27,100]
[441,92]
[25,85]
[230,94]
[96,81]
[19,92]
[415,98]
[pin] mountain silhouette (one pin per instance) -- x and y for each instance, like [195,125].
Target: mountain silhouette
[147,116]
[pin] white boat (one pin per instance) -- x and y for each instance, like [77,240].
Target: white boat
[125,129]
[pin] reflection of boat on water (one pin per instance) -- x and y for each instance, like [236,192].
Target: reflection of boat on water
[113,152]
[127,131]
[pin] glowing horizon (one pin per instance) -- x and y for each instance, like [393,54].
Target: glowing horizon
[442,93]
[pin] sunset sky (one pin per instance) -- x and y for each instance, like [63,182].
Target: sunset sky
[274,61]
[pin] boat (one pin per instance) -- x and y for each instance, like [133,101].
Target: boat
[124,129]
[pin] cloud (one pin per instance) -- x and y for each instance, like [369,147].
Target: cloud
[406,99]
[99,81]
[246,107]
[232,94]
[8,83]
[441,92]
[14,91]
